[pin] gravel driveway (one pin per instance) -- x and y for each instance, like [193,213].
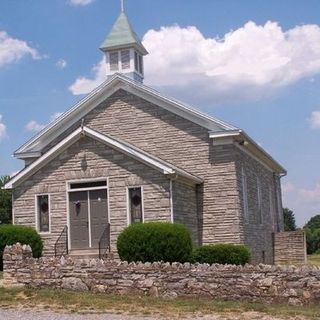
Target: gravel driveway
[41,315]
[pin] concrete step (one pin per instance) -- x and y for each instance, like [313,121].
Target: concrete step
[84,254]
[88,254]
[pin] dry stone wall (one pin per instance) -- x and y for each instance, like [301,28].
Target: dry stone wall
[263,283]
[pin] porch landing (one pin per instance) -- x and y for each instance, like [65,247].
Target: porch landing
[89,254]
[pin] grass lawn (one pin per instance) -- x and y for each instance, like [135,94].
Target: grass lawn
[99,303]
[314,259]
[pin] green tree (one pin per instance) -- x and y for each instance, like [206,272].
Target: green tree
[312,229]
[5,202]
[313,223]
[289,220]
[313,240]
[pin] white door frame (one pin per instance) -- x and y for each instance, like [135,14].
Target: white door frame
[69,190]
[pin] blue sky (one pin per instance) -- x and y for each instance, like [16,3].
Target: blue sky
[255,64]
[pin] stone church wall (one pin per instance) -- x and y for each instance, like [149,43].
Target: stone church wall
[88,158]
[184,144]
[188,146]
[185,209]
[258,226]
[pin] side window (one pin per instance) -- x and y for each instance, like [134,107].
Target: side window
[135,205]
[125,59]
[43,215]
[136,61]
[271,205]
[259,201]
[114,61]
[140,64]
[244,193]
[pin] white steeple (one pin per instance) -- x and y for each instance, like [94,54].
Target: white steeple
[123,49]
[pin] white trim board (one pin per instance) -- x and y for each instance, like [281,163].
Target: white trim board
[171,201]
[89,218]
[139,155]
[40,162]
[86,180]
[241,140]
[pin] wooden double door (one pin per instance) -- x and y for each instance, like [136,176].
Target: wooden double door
[88,217]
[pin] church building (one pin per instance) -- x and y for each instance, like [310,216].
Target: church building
[128,154]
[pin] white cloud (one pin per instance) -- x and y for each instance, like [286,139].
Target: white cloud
[12,50]
[35,126]
[80,2]
[247,63]
[55,116]
[304,201]
[3,129]
[315,120]
[84,85]
[288,187]
[312,195]
[61,64]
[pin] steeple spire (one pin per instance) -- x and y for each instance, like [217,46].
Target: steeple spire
[123,49]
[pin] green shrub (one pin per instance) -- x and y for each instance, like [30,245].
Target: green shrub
[11,234]
[155,241]
[222,254]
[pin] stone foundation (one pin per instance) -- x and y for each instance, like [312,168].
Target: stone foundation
[263,283]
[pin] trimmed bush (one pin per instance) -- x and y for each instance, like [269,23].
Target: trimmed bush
[222,254]
[155,241]
[11,234]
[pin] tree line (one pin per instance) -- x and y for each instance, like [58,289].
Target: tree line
[5,202]
[312,229]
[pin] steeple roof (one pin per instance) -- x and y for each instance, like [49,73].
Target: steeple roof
[122,35]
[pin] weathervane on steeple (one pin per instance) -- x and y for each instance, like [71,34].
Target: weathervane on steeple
[122,5]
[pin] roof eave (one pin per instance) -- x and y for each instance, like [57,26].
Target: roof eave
[45,158]
[112,84]
[95,94]
[131,151]
[138,46]
[277,166]
[27,155]
[240,136]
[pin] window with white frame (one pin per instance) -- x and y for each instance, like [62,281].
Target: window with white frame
[138,62]
[43,213]
[114,61]
[244,193]
[259,200]
[125,59]
[135,205]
